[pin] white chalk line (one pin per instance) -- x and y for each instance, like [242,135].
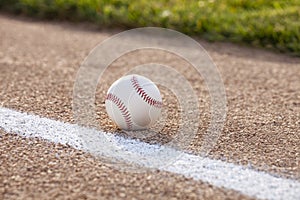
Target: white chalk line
[219,173]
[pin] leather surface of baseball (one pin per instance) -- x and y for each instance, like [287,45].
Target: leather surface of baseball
[133,102]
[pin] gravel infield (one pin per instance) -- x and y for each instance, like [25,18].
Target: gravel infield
[38,65]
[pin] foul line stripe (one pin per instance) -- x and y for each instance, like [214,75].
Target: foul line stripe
[219,173]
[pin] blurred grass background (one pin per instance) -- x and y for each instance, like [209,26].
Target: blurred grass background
[272,24]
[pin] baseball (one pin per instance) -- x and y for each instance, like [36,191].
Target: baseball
[133,102]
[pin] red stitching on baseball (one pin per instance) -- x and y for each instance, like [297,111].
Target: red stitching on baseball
[122,107]
[144,95]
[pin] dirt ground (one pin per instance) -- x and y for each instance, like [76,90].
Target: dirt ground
[38,66]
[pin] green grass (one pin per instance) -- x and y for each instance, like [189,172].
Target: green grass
[273,24]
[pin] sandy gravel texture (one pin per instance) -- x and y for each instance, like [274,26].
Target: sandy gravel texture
[38,66]
[34,169]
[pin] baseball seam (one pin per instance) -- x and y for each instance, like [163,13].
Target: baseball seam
[125,112]
[151,101]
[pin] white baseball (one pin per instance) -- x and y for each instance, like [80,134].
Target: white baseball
[133,102]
